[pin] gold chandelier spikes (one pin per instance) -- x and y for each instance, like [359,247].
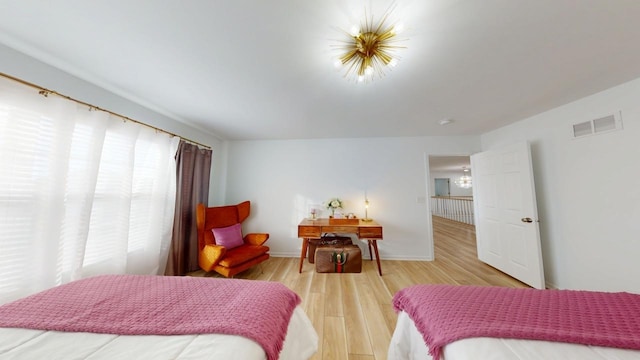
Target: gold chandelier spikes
[369,50]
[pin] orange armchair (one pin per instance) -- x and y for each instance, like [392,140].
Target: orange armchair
[216,257]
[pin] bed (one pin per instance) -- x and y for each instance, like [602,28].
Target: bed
[158,317]
[472,322]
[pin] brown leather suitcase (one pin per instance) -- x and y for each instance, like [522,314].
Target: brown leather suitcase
[344,259]
[327,240]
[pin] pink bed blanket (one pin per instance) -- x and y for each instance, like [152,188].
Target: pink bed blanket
[160,305]
[446,313]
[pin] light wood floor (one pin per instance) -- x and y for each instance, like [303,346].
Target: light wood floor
[352,313]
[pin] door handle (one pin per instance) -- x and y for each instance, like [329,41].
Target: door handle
[527,220]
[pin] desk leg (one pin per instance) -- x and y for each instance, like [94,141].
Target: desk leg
[303,253]
[375,248]
[370,251]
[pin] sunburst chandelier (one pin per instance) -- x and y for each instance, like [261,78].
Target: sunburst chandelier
[369,49]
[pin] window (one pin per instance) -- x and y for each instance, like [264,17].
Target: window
[81,193]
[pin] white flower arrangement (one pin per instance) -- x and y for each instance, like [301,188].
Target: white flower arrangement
[334,204]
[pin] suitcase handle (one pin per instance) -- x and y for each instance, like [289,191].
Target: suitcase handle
[340,258]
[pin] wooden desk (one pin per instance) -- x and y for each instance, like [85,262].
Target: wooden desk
[364,230]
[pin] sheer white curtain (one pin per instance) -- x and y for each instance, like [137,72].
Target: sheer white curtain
[81,193]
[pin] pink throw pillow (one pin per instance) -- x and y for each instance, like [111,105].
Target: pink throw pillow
[230,237]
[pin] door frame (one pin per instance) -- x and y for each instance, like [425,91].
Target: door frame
[430,243]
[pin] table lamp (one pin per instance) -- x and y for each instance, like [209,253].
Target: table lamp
[366,210]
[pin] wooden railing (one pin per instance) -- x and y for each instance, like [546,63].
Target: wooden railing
[456,208]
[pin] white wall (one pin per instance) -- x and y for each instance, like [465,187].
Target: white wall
[283,178]
[453,188]
[21,66]
[587,190]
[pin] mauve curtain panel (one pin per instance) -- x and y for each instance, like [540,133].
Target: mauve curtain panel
[192,183]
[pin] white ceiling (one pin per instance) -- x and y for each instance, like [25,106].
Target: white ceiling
[449,163]
[256,69]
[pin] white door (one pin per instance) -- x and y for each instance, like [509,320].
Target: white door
[507,232]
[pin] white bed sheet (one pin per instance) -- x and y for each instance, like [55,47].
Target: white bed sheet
[407,344]
[301,343]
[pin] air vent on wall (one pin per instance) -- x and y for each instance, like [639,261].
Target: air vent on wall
[597,126]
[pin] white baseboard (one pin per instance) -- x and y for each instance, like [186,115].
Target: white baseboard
[285,254]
